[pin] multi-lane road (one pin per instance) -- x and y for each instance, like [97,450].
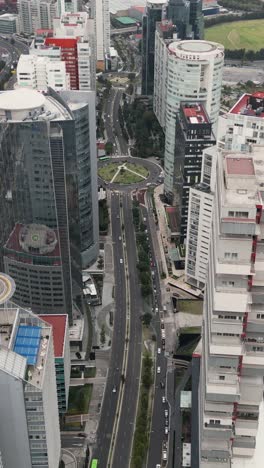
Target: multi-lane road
[111,121]
[127,419]
[157,431]
[108,411]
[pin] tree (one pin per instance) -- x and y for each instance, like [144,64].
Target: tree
[146,318]
[109,147]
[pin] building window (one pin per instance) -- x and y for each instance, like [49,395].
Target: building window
[221,377]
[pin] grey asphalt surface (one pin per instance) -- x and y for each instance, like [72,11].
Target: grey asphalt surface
[14,51]
[109,405]
[108,118]
[157,430]
[111,122]
[72,441]
[128,412]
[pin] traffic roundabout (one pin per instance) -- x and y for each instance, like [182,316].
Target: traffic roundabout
[128,173]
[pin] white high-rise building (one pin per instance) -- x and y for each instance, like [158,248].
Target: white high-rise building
[243,125]
[194,74]
[100,12]
[69,6]
[81,27]
[231,382]
[40,73]
[36,14]
[201,200]
[29,430]
[164,35]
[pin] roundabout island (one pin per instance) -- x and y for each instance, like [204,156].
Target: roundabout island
[128,173]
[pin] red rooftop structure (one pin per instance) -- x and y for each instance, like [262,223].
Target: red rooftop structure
[59,326]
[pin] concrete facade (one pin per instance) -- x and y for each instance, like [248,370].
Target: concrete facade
[194,74]
[30,436]
[233,333]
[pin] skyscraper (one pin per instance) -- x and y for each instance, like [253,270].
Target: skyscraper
[100,13]
[197,19]
[237,131]
[36,14]
[49,195]
[194,74]
[164,35]
[155,10]
[178,11]
[187,16]
[29,432]
[193,135]
[200,210]
[231,384]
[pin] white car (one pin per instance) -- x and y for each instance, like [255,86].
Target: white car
[164,455]
[158,370]
[120,238]
[114,389]
[159,350]
[121,260]
[166,412]
[163,399]
[166,430]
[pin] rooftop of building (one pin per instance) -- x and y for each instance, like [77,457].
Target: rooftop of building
[126,20]
[250,104]
[9,17]
[7,288]
[31,241]
[195,113]
[244,178]
[64,42]
[24,343]
[141,9]
[240,166]
[31,105]
[183,49]
[165,26]
[59,329]
[20,100]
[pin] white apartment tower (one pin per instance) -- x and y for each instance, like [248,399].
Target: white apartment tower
[241,127]
[101,15]
[164,35]
[201,201]
[231,383]
[80,26]
[36,14]
[40,73]
[194,74]
[29,430]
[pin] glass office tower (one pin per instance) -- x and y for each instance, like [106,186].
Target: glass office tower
[154,14]
[48,203]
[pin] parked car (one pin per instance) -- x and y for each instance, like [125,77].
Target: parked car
[158,370]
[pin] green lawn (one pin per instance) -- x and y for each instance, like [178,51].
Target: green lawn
[107,172]
[89,372]
[139,169]
[247,35]
[126,177]
[190,306]
[79,399]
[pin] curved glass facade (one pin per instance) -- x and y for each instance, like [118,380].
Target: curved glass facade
[46,181]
